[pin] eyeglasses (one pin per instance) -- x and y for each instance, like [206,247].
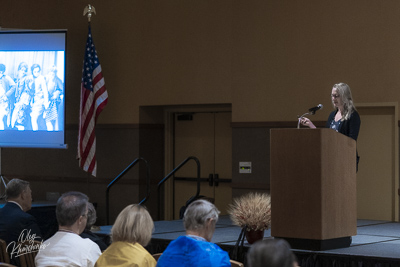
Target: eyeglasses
[335,96]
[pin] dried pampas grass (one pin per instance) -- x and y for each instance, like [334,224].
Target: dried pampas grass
[253,210]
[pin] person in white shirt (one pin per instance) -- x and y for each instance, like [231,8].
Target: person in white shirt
[66,247]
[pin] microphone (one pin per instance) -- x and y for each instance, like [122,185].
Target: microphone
[312,110]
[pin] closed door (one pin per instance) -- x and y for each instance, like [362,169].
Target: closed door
[208,137]
[377,177]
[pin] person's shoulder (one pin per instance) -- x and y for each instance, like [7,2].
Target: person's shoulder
[203,245]
[91,245]
[213,254]
[85,245]
[13,209]
[88,234]
[355,115]
[11,205]
[28,218]
[85,240]
[180,243]
[218,249]
[182,239]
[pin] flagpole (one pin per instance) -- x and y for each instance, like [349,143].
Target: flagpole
[89,9]
[94,98]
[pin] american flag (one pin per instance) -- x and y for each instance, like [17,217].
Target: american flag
[94,98]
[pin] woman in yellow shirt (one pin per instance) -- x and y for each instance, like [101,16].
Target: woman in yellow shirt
[130,233]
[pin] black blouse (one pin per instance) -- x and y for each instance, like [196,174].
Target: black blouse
[349,127]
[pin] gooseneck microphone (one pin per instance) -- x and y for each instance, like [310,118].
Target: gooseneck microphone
[312,110]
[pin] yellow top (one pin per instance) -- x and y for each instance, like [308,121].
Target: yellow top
[124,254]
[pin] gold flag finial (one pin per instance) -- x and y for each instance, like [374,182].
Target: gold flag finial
[89,9]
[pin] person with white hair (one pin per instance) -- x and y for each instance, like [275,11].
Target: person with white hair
[87,233]
[271,253]
[195,248]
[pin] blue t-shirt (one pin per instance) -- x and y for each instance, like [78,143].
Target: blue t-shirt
[188,252]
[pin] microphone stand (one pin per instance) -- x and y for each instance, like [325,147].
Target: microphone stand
[300,117]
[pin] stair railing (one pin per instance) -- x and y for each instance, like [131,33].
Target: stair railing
[116,179]
[171,173]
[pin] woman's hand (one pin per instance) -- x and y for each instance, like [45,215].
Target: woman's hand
[307,122]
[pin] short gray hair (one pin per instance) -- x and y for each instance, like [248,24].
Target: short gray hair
[70,206]
[197,214]
[91,217]
[272,253]
[15,187]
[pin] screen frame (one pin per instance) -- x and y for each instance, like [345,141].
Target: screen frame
[40,46]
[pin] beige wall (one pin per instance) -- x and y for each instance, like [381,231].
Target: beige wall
[261,56]
[271,60]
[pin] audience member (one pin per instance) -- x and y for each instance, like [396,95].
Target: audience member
[130,233]
[87,233]
[196,249]
[66,247]
[15,224]
[271,253]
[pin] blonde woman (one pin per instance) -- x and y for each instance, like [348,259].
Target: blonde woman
[344,118]
[130,233]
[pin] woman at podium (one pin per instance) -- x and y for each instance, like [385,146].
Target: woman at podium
[345,118]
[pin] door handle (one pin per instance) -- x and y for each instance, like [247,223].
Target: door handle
[210,179]
[216,179]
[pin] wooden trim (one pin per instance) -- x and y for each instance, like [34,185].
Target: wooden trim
[90,180]
[272,124]
[250,185]
[120,126]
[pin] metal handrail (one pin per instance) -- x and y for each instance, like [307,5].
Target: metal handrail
[120,176]
[171,173]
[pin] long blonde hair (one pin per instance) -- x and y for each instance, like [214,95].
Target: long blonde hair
[345,95]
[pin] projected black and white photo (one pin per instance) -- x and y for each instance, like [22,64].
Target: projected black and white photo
[32,89]
[31,94]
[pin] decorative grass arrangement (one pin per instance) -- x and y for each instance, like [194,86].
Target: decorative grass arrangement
[252,210]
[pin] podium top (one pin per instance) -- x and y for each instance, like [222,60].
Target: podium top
[325,132]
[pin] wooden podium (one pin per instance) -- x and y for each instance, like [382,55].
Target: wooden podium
[313,188]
